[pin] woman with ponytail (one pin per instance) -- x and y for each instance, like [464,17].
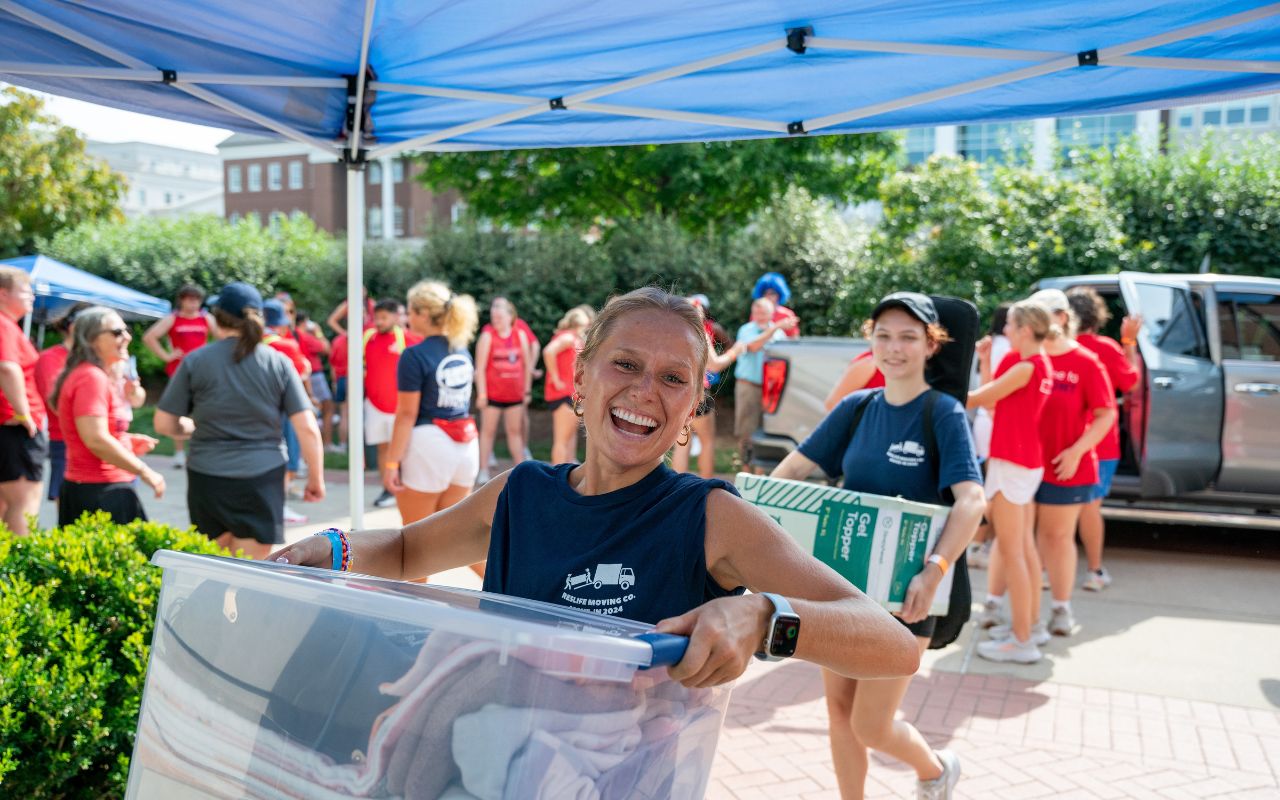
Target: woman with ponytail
[102,457]
[559,357]
[227,397]
[433,456]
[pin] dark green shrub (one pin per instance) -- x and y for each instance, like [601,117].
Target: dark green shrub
[77,605]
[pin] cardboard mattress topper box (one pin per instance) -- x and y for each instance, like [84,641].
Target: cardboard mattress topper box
[877,543]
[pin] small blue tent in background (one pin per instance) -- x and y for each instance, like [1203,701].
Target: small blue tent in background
[58,286]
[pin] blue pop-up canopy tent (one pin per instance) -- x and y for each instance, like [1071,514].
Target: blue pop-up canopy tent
[368,79]
[58,286]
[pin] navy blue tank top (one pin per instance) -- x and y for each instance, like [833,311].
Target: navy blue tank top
[638,553]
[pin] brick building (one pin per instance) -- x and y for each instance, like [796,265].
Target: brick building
[267,178]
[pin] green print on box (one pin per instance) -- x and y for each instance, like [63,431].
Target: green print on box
[876,543]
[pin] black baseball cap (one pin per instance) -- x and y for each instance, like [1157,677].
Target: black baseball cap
[917,305]
[236,297]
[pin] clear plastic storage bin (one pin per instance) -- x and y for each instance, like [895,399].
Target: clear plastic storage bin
[273,681]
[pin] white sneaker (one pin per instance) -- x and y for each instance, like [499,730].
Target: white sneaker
[1010,650]
[334,448]
[385,500]
[1061,622]
[292,517]
[1039,633]
[1097,581]
[180,459]
[482,477]
[992,614]
[941,787]
[978,555]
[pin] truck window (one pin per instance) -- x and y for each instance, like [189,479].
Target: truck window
[1176,326]
[1250,326]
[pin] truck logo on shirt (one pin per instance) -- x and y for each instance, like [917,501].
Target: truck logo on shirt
[906,453]
[603,575]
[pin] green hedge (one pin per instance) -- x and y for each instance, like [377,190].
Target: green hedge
[77,605]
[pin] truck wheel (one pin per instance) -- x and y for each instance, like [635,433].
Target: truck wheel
[597,584]
[625,585]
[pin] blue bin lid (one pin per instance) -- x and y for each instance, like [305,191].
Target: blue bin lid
[509,621]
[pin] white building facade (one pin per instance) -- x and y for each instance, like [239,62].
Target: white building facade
[164,181]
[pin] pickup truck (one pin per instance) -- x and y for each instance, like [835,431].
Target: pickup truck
[1200,434]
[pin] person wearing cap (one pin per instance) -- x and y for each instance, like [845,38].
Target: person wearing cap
[886,453]
[773,287]
[188,328]
[1076,419]
[748,373]
[226,398]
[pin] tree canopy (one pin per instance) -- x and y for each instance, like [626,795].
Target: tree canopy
[700,185]
[47,182]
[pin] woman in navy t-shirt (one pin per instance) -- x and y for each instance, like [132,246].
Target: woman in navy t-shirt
[888,454]
[623,534]
[433,455]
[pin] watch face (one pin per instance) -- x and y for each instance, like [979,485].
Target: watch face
[786,633]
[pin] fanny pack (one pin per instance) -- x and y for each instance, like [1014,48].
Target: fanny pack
[461,430]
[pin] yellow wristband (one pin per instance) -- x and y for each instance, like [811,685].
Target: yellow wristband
[941,561]
[391,465]
[21,417]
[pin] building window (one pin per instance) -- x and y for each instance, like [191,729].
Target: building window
[397,171]
[375,174]
[375,220]
[1212,116]
[1186,119]
[142,197]
[1001,142]
[398,221]
[456,211]
[920,144]
[168,198]
[255,177]
[233,180]
[295,174]
[297,214]
[234,218]
[1260,115]
[274,220]
[1235,115]
[1086,133]
[273,176]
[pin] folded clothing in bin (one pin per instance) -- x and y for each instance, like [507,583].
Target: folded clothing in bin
[252,694]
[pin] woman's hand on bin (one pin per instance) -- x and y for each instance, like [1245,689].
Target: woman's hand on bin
[313,551]
[723,634]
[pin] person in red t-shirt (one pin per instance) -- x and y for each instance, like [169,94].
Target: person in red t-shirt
[49,365]
[1076,419]
[23,445]
[1123,366]
[187,329]
[338,361]
[103,458]
[315,347]
[504,382]
[1016,393]
[383,344]
[559,357]
[860,374]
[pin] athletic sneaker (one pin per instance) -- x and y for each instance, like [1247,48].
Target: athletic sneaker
[1039,633]
[385,500]
[1097,581]
[1061,623]
[482,477]
[1010,650]
[992,614]
[978,555]
[941,787]
[292,517]
[180,459]
[334,448]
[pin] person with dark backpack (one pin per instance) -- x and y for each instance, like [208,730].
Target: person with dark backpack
[912,440]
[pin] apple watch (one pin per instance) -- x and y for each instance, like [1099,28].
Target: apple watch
[783,632]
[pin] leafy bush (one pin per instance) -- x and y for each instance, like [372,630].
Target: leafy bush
[77,605]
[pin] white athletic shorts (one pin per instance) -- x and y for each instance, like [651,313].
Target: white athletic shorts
[983,425]
[377,424]
[434,462]
[1018,483]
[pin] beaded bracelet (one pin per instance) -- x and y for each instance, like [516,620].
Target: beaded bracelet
[340,546]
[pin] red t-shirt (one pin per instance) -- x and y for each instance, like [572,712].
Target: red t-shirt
[338,356]
[504,372]
[1123,375]
[781,313]
[524,328]
[564,365]
[87,392]
[15,347]
[1015,431]
[291,349]
[49,365]
[877,377]
[312,348]
[186,335]
[1080,387]
[381,359]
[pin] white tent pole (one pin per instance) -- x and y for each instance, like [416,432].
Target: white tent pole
[922,49]
[355,342]
[152,75]
[89,43]
[355,286]
[768,126]
[1205,64]
[388,199]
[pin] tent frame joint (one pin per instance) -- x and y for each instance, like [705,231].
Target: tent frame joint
[557,104]
[796,128]
[169,76]
[1087,58]
[796,39]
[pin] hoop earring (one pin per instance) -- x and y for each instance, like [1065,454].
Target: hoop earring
[687,433]
[577,406]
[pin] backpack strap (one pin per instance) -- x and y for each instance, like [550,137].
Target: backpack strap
[859,410]
[931,447]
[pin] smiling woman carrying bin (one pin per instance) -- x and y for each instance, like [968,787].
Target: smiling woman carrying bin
[683,546]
